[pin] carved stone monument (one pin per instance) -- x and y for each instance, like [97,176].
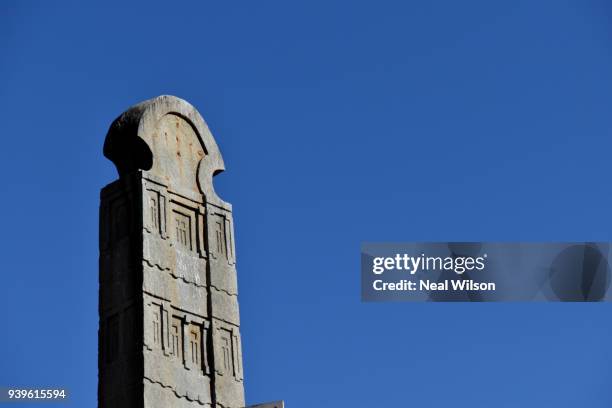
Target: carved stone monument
[169,333]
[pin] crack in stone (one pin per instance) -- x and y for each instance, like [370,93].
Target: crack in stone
[163,269]
[175,392]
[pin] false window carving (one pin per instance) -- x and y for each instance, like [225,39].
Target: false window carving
[154,213]
[220,236]
[222,245]
[238,357]
[176,338]
[179,337]
[227,354]
[182,232]
[155,219]
[157,324]
[195,346]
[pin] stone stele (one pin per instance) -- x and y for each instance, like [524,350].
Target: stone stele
[169,333]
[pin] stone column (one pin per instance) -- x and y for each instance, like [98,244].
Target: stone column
[169,332]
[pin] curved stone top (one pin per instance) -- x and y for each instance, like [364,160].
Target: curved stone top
[168,139]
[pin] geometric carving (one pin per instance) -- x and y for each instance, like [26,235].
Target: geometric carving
[231,256]
[165,331]
[237,357]
[182,231]
[157,326]
[154,208]
[195,346]
[176,338]
[223,244]
[206,348]
[154,211]
[162,216]
[187,336]
[220,236]
[230,241]
[167,238]
[227,352]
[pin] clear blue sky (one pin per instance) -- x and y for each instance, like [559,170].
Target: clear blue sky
[339,122]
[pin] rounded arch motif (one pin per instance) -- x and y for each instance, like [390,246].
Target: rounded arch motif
[167,138]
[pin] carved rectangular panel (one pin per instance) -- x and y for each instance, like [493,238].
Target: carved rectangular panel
[182,229]
[153,209]
[231,257]
[194,333]
[163,225]
[220,236]
[227,353]
[228,357]
[176,338]
[201,233]
[157,325]
[165,332]
[236,346]
[186,362]
[206,346]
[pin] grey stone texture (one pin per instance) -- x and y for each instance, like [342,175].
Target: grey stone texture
[169,333]
[275,404]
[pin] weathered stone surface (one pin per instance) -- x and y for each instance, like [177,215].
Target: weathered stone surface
[169,322]
[275,404]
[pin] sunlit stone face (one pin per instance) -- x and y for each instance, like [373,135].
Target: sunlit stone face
[177,151]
